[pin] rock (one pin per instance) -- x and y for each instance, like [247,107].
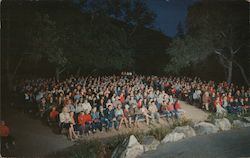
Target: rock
[205,128]
[240,124]
[173,137]
[187,130]
[150,143]
[130,148]
[223,124]
[247,119]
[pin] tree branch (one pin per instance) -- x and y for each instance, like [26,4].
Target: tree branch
[237,50]
[61,70]
[220,54]
[17,66]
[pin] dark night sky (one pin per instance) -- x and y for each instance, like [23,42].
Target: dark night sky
[169,13]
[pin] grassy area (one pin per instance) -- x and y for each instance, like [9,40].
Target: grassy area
[104,148]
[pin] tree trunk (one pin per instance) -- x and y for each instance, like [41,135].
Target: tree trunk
[58,72]
[242,72]
[230,71]
[78,71]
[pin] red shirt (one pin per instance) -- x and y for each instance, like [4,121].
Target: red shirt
[82,119]
[122,99]
[173,91]
[53,115]
[216,102]
[170,107]
[139,105]
[177,105]
[4,131]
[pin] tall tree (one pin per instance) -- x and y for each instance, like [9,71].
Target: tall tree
[47,40]
[210,30]
[134,13]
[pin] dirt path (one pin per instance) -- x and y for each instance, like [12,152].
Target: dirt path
[32,138]
[35,139]
[194,113]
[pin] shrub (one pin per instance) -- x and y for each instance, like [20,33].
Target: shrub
[160,133]
[88,149]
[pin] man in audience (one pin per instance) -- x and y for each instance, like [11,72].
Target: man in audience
[153,110]
[110,115]
[6,140]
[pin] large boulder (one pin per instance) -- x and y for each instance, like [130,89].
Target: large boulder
[130,148]
[223,124]
[173,137]
[205,128]
[240,124]
[150,143]
[187,130]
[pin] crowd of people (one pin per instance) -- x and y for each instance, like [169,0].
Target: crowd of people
[87,104]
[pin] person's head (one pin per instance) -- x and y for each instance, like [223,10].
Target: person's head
[94,109]
[231,99]
[119,106]
[225,98]
[101,108]
[241,99]
[206,93]
[110,107]
[53,108]
[126,106]
[70,101]
[3,123]
[65,110]
[238,92]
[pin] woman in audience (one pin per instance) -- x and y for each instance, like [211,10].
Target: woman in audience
[73,127]
[220,111]
[120,116]
[96,122]
[66,122]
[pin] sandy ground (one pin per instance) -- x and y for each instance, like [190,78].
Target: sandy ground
[231,144]
[32,138]
[193,113]
[35,139]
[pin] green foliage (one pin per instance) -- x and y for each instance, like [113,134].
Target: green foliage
[101,44]
[186,51]
[159,133]
[89,149]
[46,39]
[210,29]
